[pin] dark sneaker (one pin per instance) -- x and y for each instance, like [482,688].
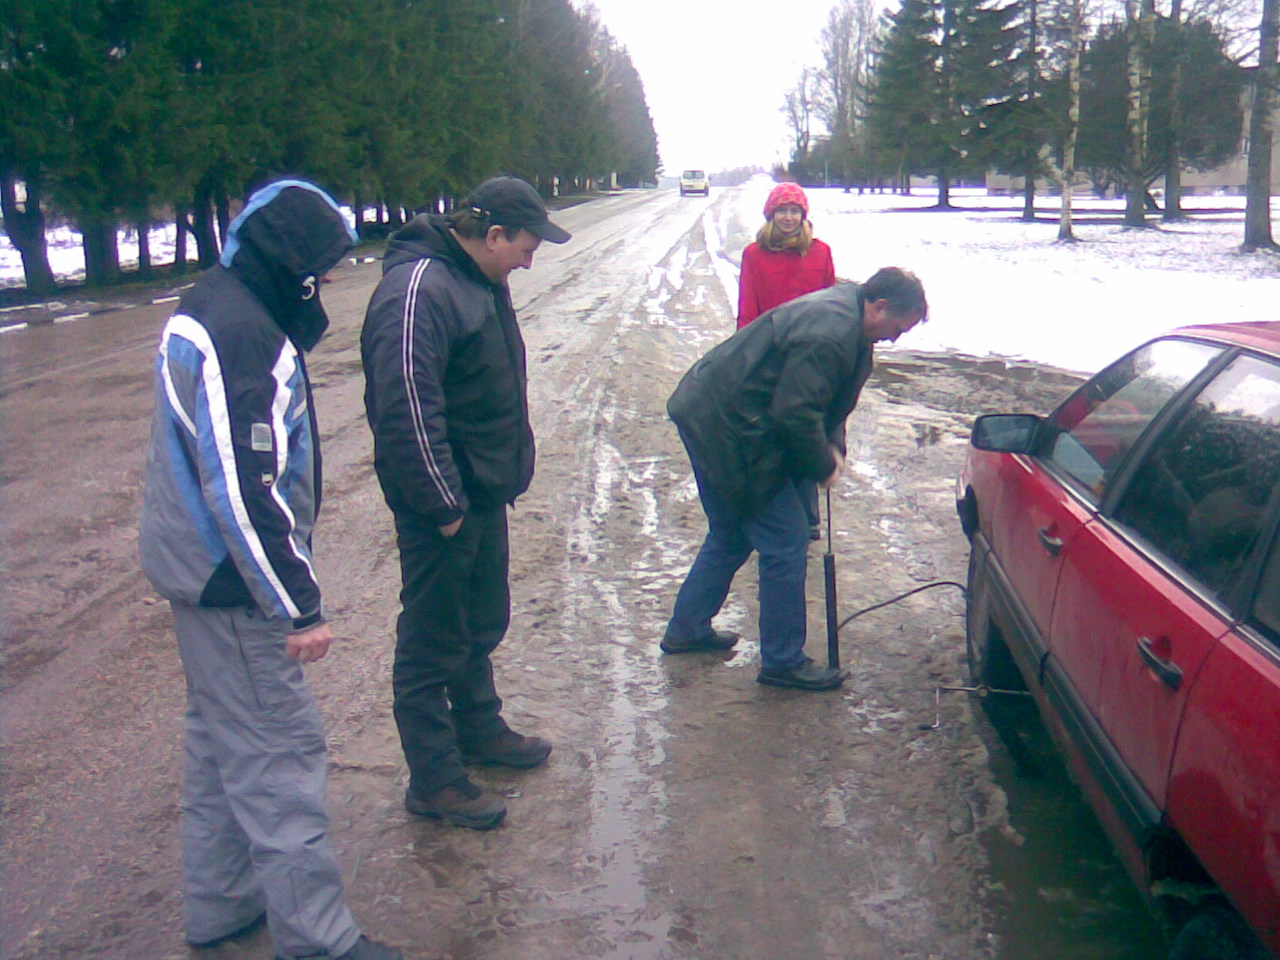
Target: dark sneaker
[815,532]
[806,676]
[461,803]
[508,748]
[247,929]
[366,949]
[715,640]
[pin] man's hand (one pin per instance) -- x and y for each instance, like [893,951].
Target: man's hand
[310,645]
[830,482]
[451,529]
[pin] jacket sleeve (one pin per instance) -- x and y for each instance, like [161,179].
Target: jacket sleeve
[748,295]
[245,412]
[801,397]
[406,354]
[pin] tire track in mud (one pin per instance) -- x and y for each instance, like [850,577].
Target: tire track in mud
[598,469]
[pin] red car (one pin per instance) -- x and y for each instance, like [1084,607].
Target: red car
[1125,569]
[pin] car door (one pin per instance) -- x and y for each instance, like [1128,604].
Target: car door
[1224,786]
[1224,782]
[1046,500]
[1146,592]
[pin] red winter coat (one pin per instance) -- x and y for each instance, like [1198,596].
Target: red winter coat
[770,278]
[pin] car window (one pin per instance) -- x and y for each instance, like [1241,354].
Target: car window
[1266,609]
[1099,423]
[1202,494]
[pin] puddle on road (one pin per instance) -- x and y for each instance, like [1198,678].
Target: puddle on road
[622,812]
[1059,890]
[637,930]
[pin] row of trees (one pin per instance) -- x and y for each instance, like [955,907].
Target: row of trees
[122,111]
[952,88]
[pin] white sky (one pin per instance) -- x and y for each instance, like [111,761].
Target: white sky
[715,73]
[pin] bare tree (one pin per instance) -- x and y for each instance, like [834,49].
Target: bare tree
[1173,152]
[1257,215]
[798,107]
[842,84]
[1141,17]
[1076,14]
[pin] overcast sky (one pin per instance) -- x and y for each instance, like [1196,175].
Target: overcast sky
[715,73]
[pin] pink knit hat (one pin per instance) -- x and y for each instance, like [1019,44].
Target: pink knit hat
[783,194]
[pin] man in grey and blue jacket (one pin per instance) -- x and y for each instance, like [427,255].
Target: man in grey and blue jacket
[232,492]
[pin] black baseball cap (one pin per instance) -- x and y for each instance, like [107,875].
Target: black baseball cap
[511,202]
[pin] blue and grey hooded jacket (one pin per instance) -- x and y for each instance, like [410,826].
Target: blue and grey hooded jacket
[233,475]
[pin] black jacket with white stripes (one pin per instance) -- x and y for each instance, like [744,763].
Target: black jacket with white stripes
[445,383]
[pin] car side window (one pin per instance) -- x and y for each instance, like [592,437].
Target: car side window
[1098,424]
[1266,608]
[1203,493]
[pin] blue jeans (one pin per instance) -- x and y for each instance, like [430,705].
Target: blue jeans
[779,533]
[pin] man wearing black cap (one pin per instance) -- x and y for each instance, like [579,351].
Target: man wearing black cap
[445,393]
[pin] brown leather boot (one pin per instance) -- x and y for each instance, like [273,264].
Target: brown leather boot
[461,803]
[510,749]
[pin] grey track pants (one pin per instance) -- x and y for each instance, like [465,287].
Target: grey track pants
[254,825]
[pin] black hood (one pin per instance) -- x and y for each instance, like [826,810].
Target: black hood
[428,235]
[289,235]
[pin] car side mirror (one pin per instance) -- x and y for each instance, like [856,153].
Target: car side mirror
[1007,432]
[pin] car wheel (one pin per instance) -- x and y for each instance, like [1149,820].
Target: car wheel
[990,663]
[991,667]
[1216,934]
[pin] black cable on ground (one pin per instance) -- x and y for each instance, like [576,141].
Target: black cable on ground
[928,586]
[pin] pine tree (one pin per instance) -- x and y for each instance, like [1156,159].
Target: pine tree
[943,64]
[31,143]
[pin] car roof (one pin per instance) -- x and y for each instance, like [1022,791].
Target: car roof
[1258,335]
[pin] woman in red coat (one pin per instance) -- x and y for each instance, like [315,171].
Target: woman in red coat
[785,261]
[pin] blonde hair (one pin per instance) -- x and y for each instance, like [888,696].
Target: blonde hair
[769,238]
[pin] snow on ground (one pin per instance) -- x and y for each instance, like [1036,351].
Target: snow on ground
[999,286]
[996,285]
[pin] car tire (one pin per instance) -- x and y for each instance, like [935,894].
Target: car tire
[1216,934]
[990,662]
[991,667]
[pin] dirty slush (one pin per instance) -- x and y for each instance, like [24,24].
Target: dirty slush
[687,812]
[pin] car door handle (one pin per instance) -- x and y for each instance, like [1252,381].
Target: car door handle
[1166,670]
[1049,542]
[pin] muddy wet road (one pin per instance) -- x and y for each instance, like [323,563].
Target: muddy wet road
[687,813]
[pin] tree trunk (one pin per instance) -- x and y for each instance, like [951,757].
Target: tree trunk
[1068,171]
[944,189]
[357,211]
[1173,157]
[101,252]
[1257,214]
[202,225]
[1033,83]
[180,224]
[1141,21]
[24,223]
[144,247]
[222,209]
